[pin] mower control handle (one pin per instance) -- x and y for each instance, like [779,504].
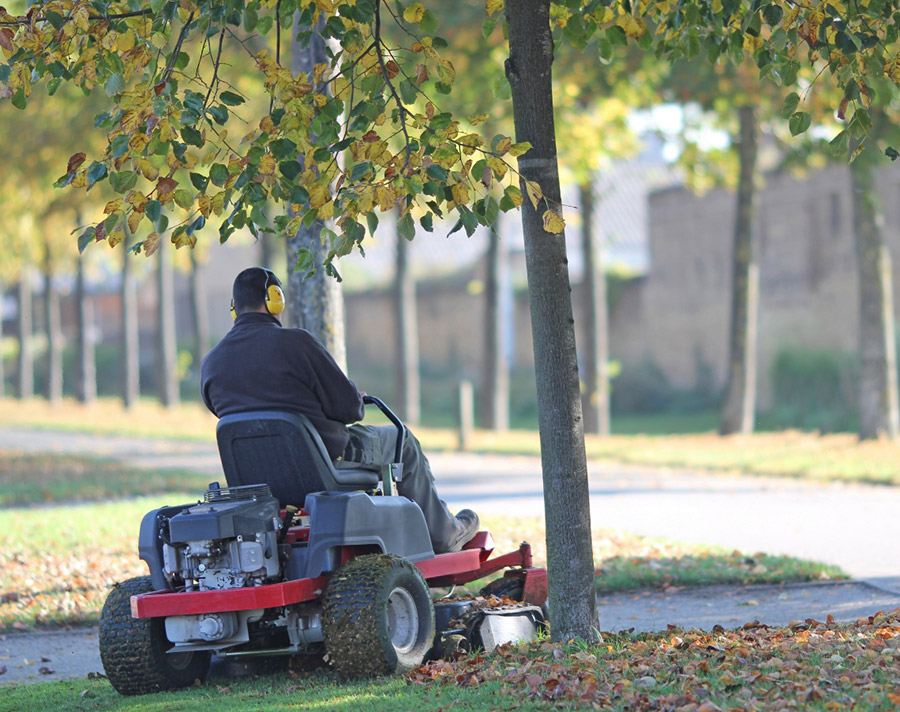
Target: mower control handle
[396,466]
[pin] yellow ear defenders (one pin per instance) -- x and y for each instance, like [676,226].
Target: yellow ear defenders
[274,297]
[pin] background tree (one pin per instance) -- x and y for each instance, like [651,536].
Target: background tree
[406,335]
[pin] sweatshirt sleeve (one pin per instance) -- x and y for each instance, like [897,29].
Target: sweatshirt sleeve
[337,394]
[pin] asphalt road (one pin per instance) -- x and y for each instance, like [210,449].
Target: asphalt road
[853,526]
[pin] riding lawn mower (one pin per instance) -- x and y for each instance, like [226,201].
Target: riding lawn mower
[294,557]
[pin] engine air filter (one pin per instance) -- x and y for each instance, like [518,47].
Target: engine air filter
[236,494]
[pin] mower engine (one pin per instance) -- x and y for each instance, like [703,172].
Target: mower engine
[230,540]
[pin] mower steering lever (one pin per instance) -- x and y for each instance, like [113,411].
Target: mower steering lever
[396,467]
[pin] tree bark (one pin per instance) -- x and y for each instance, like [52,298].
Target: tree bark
[131,384]
[407,334]
[495,401]
[878,410]
[2,365]
[54,385]
[315,303]
[573,601]
[740,395]
[86,380]
[200,312]
[25,360]
[167,356]
[596,377]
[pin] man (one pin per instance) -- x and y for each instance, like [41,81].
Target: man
[260,365]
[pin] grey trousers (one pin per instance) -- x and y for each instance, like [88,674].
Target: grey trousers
[373,446]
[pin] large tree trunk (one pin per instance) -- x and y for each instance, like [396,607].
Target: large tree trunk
[86,379]
[740,395]
[200,311]
[573,601]
[596,353]
[2,368]
[317,303]
[25,360]
[495,401]
[878,412]
[165,314]
[131,367]
[407,335]
[54,385]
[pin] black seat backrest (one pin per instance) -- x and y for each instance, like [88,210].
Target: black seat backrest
[284,451]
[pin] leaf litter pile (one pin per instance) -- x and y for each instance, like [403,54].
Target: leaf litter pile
[806,665]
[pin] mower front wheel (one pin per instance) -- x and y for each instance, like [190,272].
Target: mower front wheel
[133,650]
[378,618]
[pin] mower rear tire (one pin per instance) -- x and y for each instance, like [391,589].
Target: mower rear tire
[133,650]
[377,617]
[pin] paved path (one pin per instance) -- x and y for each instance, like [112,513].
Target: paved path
[853,526]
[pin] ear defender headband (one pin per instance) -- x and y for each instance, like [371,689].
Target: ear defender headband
[274,297]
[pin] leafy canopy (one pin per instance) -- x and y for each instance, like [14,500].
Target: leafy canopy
[362,133]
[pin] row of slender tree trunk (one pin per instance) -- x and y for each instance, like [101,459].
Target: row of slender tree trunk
[85,376]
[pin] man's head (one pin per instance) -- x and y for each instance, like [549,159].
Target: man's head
[257,289]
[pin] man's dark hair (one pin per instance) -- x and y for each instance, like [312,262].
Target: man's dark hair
[249,290]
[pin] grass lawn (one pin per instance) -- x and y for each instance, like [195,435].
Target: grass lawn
[809,665]
[789,454]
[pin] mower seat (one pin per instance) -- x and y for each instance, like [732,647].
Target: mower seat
[284,451]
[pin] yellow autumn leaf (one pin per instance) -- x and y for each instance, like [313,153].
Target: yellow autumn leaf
[476,119]
[503,145]
[534,192]
[267,164]
[446,72]
[134,220]
[515,196]
[553,222]
[498,167]
[318,195]
[326,211]
[294,225]
[751,44]
[218,203]
[493,6]
[112,206]
[204,202]
[414,13]
[81,18]
[125,41]
[460,193]
[184,240]
[518,149]
[325,5]
[151,244]
[115,237]
[147,169]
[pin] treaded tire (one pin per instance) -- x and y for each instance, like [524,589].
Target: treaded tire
[133,650]
[510,586]
[377,617]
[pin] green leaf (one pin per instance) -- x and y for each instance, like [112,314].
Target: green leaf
[114,85]
[18,99]
[487,27]
[429,23]
[182,60]
[891,153]
[283,148]
[199,181]
[407,91]
[184,199]
[406,228]
[218,174]
[436,172]
[290,169]
[360,171]
[305,263]
[799,122]
[427,222]
[372,222]
[840,144]
[791,102]
[152,210]
[191,136]
[96,172]
[123,182]
[229,98]
[85,238]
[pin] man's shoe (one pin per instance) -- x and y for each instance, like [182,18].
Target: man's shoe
[468,527]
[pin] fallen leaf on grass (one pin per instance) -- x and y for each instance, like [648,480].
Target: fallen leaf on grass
[45,670]
[3,670]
